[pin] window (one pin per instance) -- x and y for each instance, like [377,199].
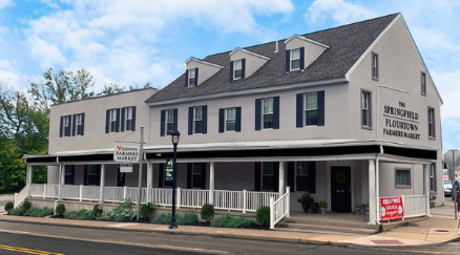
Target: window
[423,83]
[268,112]
[311,109]
[433,177]
[69,175]
[197,169]
[92,175]
[366,109]
[113,120]
[192,79]
[375,66]
[403,178]
[230,119]
[237,70]
[169,121]
[67,125]
[130,118]
[295,59]
[431,124]
[267,175]
[198,119]
[79,123]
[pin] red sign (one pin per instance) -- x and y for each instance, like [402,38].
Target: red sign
[391,208]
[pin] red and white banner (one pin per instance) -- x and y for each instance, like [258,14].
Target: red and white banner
[391,208]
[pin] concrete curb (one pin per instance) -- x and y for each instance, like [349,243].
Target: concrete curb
[302,240]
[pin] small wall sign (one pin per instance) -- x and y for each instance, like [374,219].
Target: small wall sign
[126,168]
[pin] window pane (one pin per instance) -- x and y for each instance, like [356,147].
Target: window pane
[197,167]
[231,114]
[231,126]
[198,126]
[302,183]
[311,101]
[268,105]
[129,124]
[402,177]
[302,167]
[295,54]
[268,121]
[113,115]
[129,113]
[267,182]
[170,127]
[196,181]
[268,167]
[311,118]
[295,64]
[191,74]
[238,74]
[170,115]
[238,65]
[364,101]
[198,113]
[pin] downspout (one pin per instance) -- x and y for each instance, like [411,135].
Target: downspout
[377,185]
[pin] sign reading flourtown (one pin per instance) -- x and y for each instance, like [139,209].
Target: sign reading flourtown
[401,122]
[169,170]
[391,208]
[126,153]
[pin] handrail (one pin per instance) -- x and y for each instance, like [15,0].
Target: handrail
[279,208]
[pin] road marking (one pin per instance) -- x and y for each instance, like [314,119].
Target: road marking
[25,250]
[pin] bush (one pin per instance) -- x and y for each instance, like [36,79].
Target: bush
[146,210]
[71,215]
[26,206]
[60,209]
[9,206]
[227,221]
[187,219]
[263,215]
[163,219]
[207,212]
[16,211]
[97,211]
[84,214]
[37,212]
[120,213]
[31,212]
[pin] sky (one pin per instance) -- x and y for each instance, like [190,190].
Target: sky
[133,42]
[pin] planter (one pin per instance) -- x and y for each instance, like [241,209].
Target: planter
[305,206]
[314,207]
[357,209]
[323,210]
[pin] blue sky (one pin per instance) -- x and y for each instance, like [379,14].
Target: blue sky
[132,42]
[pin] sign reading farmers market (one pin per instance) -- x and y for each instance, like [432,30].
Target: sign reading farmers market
[169,170]
[391,208]
[401,122]
[126,153]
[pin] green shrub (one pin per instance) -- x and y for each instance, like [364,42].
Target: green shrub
[146,210]
[9,206]
[163,219]
[207,212]
[71,215]
[263,215]
[32,212]
[120,213]
[227,221]
[97,211]
[60,209]
[26,206]
[16,211]
[84,214]
[187,219]
[37,212]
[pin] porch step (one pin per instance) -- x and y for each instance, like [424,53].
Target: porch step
[300,227]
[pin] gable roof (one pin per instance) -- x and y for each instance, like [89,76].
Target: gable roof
[347,44]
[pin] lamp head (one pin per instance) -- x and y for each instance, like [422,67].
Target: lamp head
[175,135]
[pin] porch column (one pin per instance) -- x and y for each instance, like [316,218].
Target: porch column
[372,200]
[29,179]
[149,181]
[426,187]
[61,179]
[101,194]
[377,190]
[281,188]
[211,183]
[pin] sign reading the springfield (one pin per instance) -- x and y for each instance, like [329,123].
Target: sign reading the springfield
[126,153]
[401,122]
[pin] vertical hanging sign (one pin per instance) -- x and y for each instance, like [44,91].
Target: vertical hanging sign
[169,170]
[391,208]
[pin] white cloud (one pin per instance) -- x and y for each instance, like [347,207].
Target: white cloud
[340,11]
[4,3]
[45,53]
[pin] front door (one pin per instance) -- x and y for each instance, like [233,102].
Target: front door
[121,179]
[341,189]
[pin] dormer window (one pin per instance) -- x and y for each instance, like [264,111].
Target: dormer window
[191,77]
[237,70]
[295,59]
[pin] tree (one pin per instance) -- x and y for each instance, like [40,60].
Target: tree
[111,88]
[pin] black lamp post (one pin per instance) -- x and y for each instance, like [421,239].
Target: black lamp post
[175,135]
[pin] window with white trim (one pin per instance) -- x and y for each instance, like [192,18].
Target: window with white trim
[113,120]
[295,59]
[197,169]
[192,77]
[79,123]
[129,118]
[267,112]
[237,69]
[198,119]
[302,174]
[375,66]
[230,119]
[365,109]
[169,121]
[402,178]
[431,124]
[67,125]
[311,109]
[267,175]
[423,83]
[433,177]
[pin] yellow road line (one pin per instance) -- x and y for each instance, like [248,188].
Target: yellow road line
[25,250]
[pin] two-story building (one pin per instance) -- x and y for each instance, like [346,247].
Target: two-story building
[349,114]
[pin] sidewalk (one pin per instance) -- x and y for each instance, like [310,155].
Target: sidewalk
[434,230]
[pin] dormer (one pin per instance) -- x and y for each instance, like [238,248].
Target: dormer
[244,63]
[301,52]
[197,71]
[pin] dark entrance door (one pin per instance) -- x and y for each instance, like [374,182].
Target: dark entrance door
[341,189]
[121,179]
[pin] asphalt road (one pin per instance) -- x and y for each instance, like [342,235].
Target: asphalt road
[65,240]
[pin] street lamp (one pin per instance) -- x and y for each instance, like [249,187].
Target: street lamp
[175,135]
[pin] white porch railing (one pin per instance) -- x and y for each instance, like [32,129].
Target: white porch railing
[19,197]
[414,206]
[223,199]
[279,208]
